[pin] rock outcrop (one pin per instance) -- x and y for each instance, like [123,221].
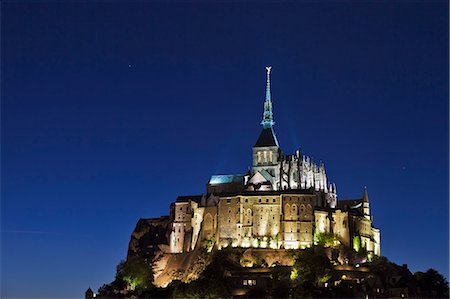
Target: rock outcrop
[150,237]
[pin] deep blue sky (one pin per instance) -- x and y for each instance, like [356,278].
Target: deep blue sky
[111,110]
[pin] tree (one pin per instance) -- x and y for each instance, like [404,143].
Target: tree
[326,239]
[310,268]
[432,284]
[136,271]
[357,243]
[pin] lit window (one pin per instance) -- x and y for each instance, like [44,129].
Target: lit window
[259,157]
[265,156]
[270,157]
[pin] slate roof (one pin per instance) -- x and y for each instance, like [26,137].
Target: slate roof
[267,138]
[226,179]
[349,203]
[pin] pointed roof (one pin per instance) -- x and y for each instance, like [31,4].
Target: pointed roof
[366,195]
[267,138]
[266,174]
[257,178]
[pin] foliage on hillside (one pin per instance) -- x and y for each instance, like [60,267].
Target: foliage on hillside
[311,273]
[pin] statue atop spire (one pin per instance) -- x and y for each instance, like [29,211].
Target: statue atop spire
[267,121]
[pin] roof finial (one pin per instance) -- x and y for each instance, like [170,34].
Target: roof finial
[267,121]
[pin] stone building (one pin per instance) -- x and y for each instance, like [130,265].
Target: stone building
[283,201]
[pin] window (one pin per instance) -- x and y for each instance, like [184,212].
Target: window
[249,282]
[228,200]
[259,200]
[274,200]
[246,200]
[267,200]
[259,157]
[265,156]
[270,157]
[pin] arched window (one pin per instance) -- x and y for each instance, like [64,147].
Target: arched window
[249,215]
[302,208]
[294,209]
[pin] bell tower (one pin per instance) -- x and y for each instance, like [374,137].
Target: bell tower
[266,152]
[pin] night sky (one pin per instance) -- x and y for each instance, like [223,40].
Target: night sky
[111,110]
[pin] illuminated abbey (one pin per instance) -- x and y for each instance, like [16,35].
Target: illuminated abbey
[284,201]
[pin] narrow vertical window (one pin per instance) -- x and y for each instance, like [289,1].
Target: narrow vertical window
[270,157]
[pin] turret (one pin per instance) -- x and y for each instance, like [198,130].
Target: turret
[89,294]
[366,207]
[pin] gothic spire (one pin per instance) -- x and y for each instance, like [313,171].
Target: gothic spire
[267,121]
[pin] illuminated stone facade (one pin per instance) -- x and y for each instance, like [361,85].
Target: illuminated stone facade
[282,202]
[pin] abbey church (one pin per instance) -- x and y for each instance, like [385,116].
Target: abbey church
[284,201]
